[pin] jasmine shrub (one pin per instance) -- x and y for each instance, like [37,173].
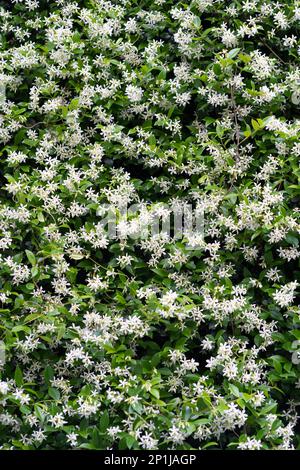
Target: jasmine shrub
[149,342]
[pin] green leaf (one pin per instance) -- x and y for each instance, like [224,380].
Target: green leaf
[31,317]
[61,331]
[54,393]
[48,374]
[217,69]
[234,390]
[18,377]
[152,142]
[96,439]
[104,421]
[130,441]
[31,257]
[76,256]
[255,125]
[155,393]
[74,104]
[233,53]
[197,22]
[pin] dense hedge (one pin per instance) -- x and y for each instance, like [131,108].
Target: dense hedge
[159,342]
